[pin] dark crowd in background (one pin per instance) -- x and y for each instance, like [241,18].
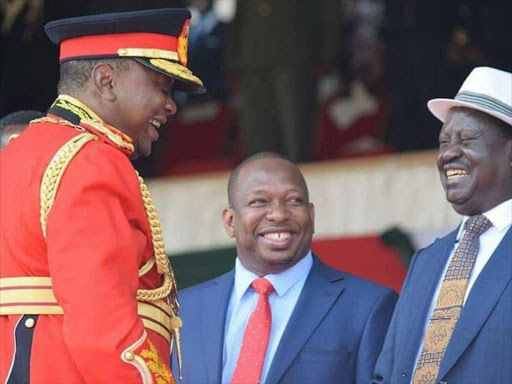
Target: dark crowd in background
[314,80]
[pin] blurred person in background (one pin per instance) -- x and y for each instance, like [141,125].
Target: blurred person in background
[88,294]
[282,315]
[354,101]
[453,321]
[206,49]
[277,50]
[14,123]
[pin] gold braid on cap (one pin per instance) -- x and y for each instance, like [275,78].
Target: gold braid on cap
[176,70]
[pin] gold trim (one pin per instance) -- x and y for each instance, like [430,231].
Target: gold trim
[158,368]
[176,70]
[117,137]
[22,292]
[27,295]
[88,116]
[55,171]
[30,281]
[163,305]
[31,310]
[72,103]
[147,267]
[21,295]
[160,315]
[48,119]
[162,331]
[148,52]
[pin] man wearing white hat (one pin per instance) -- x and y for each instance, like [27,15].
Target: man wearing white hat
[453,321]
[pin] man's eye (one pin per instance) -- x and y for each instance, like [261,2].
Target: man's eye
[163,88]
[296,201]
[257,202]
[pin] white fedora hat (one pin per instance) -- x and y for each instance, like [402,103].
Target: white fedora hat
[485,89]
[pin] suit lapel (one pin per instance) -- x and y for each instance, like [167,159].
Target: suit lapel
[484,295]
[320,291]
[213,323]
[425,285]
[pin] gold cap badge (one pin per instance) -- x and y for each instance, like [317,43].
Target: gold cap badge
[183,43]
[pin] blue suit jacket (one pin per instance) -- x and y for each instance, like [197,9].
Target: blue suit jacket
[480,349]
[334,335]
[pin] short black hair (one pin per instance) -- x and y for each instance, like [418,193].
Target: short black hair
[258,156]
[74,74]
[504,129]
[19,118]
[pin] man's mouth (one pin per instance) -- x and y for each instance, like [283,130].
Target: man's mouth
[155,123]
[452,174]
[278,240]
[278,236]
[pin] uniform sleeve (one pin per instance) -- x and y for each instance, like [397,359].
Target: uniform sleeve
[97,237]
[373,336]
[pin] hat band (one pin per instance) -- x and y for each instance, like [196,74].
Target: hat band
[150,53]
[485,102]
[109,45]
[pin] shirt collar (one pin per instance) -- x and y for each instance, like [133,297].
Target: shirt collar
[500,216]
[282,281]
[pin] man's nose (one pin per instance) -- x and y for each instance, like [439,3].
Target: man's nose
[449,152]
[170,106]
[278,212]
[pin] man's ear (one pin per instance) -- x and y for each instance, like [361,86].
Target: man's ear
[103,81]
[312,215]
[228,217]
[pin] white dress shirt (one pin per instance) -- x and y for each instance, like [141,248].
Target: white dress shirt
[287,288]
[501,219]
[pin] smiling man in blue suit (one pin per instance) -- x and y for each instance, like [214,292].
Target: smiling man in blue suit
[281,316]
[453,322]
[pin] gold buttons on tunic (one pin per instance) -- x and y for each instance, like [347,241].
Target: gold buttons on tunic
[129,356]
[29,323]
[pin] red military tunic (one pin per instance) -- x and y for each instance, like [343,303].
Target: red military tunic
[98,238]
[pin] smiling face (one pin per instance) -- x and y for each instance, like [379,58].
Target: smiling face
[474,162]
[271,218]
[143,104]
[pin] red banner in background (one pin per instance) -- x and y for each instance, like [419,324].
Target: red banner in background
[366,257]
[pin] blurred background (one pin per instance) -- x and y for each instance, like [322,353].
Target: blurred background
[339,86]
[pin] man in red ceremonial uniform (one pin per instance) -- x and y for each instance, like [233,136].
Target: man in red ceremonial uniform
[86,291]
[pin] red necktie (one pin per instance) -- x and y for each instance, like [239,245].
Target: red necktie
[254,345]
